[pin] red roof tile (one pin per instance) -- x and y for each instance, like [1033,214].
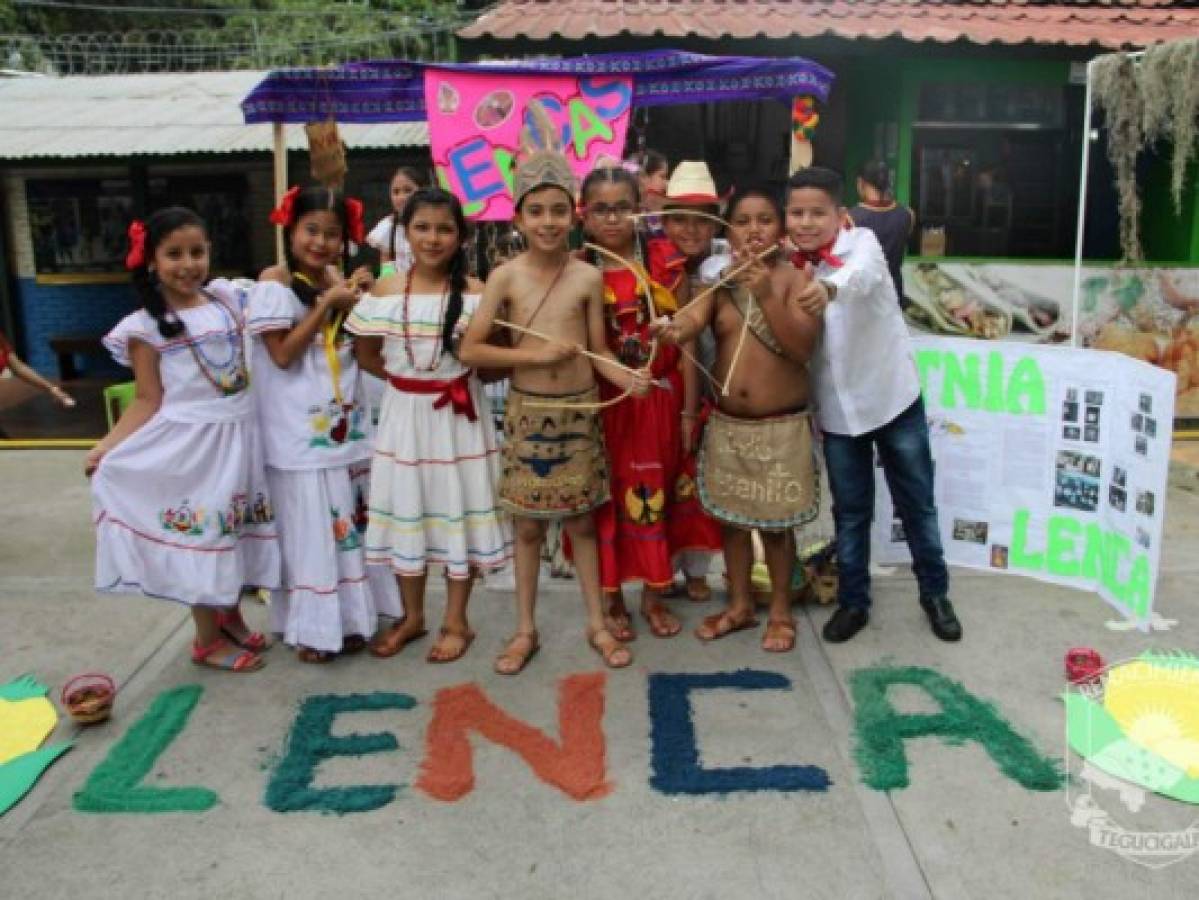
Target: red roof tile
[1103,23]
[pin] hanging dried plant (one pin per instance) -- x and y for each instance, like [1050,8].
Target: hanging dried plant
[1142,104]
[1184,112]
[1116,90]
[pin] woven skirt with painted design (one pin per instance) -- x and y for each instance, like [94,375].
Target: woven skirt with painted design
[759,473]
[553,455]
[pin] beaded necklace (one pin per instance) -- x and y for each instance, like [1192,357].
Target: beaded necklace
[231,376]
[406,322]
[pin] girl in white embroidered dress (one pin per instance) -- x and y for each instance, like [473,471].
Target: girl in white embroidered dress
[435,464]
[181,505]
[316,429]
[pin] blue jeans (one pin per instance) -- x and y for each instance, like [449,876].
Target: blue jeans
[908,466]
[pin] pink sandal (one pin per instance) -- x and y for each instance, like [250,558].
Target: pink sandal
[220,655]
[254,641]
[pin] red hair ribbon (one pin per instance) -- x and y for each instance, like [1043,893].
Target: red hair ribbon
[355,223]
[283,214]
[136,257]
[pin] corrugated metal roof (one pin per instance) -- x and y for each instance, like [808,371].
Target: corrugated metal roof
[147,115]
[1102,23]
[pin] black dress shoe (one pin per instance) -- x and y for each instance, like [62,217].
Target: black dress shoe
[942,618]
[845,623]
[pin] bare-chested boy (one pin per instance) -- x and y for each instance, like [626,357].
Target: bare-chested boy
[756,467]
[553,452]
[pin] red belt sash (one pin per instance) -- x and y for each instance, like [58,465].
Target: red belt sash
[455,392]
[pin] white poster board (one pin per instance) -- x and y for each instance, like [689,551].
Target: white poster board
[1050,462]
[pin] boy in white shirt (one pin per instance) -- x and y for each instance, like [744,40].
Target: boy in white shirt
[868,396]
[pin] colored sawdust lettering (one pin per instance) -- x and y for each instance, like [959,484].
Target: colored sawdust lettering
[880,731]
[311,741]
[115,785]
[576,766]
[674,756]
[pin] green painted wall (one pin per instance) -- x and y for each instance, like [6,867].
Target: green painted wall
[1166,234]
[888,91]
[873,91]
[916,72]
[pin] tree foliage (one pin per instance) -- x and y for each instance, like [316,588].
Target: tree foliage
[235,34]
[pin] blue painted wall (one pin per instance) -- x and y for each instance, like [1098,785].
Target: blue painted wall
[47,310]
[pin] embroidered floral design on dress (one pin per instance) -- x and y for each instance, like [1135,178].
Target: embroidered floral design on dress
[231,519]
[183,520]
[334,424]
[344,531]
[361,511]
[262,513]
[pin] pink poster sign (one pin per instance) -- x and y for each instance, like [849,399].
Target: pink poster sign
[475,122]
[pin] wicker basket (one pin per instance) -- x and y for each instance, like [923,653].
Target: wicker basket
[88,698]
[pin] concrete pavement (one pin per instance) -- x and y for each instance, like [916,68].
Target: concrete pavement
[961,829]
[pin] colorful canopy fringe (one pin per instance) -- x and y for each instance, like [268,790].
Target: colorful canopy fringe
[393,90]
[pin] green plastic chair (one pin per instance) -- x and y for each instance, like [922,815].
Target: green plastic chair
[117,398]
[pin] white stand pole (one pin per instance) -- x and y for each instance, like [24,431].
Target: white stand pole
[1082,213]
[280,176]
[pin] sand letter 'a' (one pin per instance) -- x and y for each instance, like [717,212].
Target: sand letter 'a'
[880,730]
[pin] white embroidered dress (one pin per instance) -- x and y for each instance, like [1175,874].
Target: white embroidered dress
[181,507]
[434,471]
[317,453]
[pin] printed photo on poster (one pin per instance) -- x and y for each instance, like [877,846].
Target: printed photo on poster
[972,532]
[1145,502]
[1069,411]
[1117,498]
[1119,476]
[999,554]
[1092,417]
[1072,433]
[1090,434]
[1076,481]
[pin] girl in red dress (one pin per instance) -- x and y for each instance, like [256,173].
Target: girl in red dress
[653,515]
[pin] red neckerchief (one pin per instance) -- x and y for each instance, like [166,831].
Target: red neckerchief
[816,257]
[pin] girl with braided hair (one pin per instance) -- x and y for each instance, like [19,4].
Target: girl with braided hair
[436,461]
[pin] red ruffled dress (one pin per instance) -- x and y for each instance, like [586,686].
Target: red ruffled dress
[654,513]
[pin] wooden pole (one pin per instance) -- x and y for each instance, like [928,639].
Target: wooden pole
[280,176]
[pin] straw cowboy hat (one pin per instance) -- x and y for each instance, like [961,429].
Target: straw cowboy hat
[691,184]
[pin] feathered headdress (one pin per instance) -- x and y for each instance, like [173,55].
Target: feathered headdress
[541,164]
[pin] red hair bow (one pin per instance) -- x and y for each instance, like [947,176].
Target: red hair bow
[136,257]
[284,214]
[355,223]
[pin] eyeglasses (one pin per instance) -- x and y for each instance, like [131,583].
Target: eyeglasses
[604,211]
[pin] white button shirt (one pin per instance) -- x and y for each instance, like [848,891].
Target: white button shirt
[863,372]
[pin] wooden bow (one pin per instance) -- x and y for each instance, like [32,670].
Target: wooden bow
[723,281]
[653,347]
